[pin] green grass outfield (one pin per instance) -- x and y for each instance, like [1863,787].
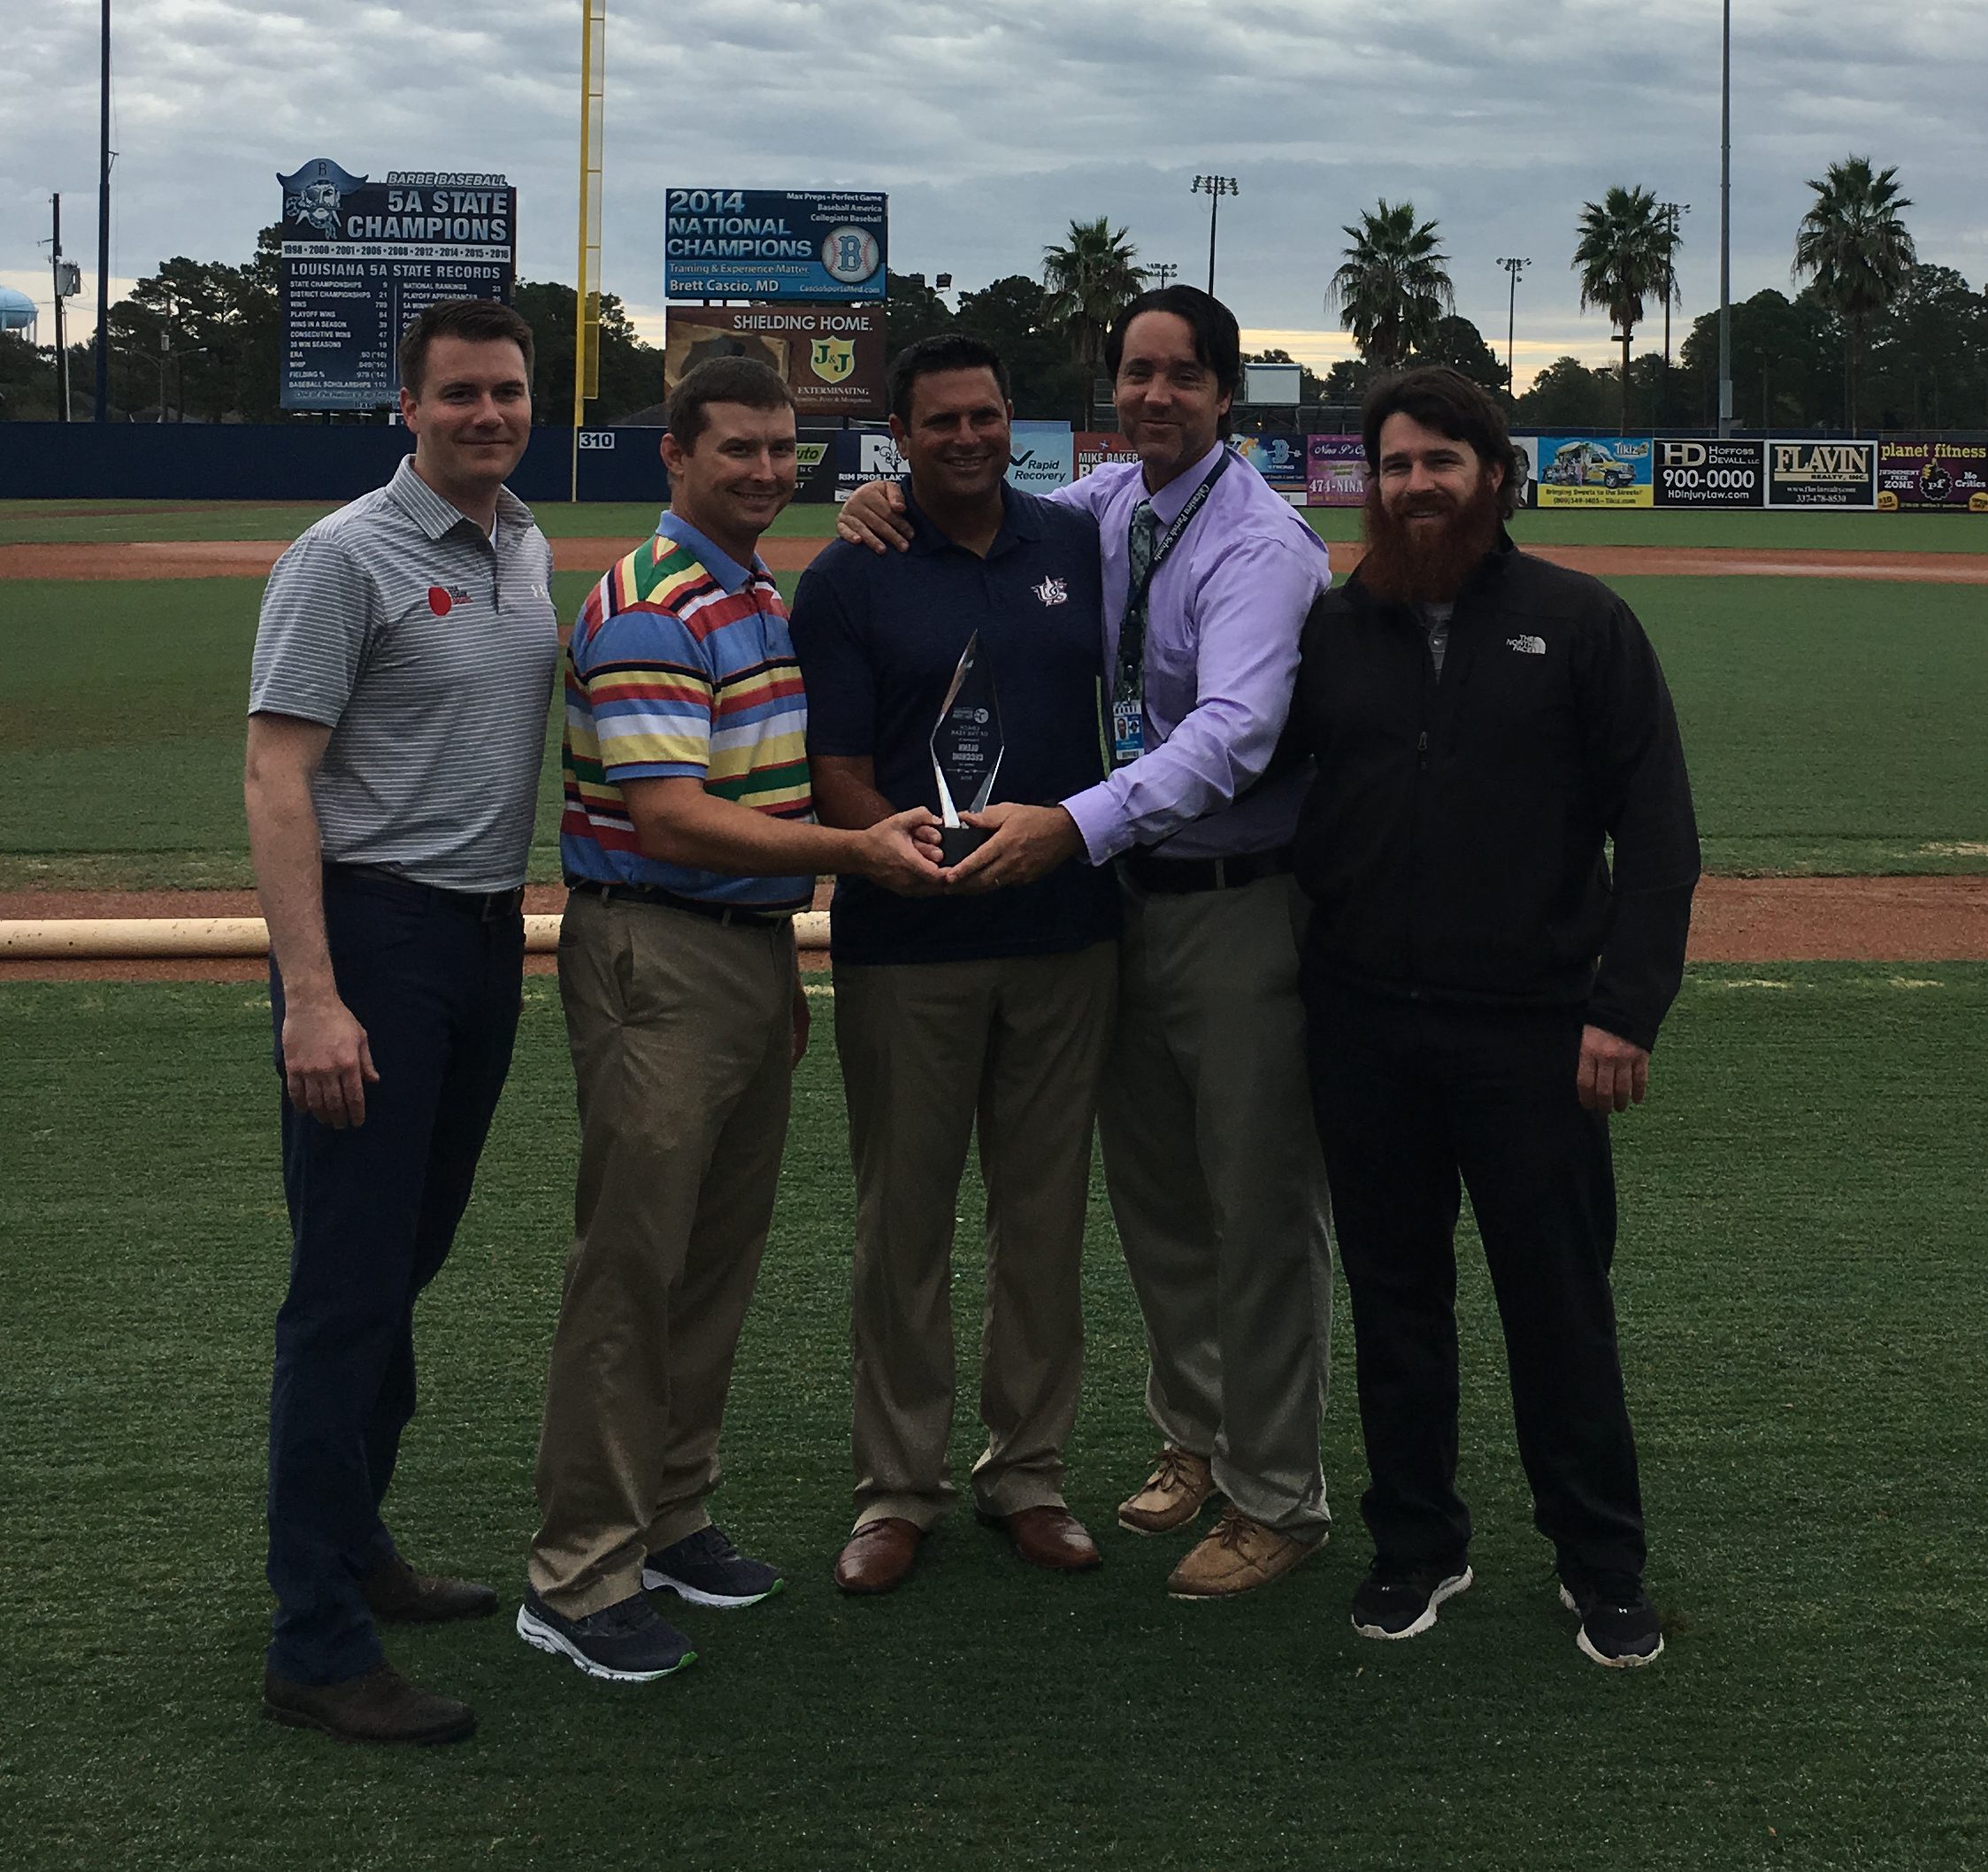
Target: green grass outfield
[1831,725]
[1801,1287]
[53,522]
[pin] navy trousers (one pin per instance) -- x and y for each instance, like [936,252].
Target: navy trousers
[372,1212]
[1413,1098]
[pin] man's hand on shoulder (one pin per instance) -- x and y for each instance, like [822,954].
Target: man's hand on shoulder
[1029,842]
[327,1063]
[873,516]
[902,854]
[1614,1073]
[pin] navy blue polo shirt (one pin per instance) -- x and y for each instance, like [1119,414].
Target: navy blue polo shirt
[880,636]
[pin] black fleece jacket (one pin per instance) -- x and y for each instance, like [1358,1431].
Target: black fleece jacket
[1453,844]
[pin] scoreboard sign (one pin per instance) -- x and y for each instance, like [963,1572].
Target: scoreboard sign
[1723,473]
[361,260]
[1822,474]
[773,243]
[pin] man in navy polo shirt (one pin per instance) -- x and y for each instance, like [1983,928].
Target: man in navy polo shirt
[991,1008]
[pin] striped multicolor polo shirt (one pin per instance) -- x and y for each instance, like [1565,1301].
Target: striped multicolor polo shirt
[680,666]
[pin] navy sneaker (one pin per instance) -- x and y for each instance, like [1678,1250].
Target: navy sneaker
[1619,1627]
[626,1641]
[707,1569]
[1396,1601]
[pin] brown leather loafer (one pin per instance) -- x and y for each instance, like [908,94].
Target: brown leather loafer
[396,1593]
[1050,1537]
[378,1706]
[879,1555]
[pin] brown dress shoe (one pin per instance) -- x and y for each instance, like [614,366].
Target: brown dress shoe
[378,1706]
[1051,1536]
[396,1593]
[1175,1493]
[879,1556]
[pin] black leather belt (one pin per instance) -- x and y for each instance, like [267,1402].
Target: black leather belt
[1175,877]
[485,905]
[653,894]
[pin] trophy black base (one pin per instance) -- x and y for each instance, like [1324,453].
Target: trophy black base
[954,841]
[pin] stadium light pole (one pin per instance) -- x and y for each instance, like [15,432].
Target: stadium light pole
[1725,223]
[1514,268]
[104,224]
[1214,187]
[1672,213]
[1163,275]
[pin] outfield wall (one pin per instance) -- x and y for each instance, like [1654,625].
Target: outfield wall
[334,462]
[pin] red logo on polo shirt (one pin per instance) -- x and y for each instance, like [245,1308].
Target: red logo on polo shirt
[444,598]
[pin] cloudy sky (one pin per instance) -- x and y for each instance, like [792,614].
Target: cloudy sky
[992,127]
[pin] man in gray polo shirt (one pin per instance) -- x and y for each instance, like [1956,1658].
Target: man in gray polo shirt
[397,709]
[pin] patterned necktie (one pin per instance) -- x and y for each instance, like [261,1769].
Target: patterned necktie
[1143,540]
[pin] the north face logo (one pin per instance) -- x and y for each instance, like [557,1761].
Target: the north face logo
[1527,646]
[1052,591]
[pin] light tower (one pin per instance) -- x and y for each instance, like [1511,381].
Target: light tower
[1214,187]
[1514,268]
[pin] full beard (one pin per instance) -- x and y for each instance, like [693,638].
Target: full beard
[1406,564]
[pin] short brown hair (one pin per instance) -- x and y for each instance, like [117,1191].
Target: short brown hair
[480,321]
[1444,399]
[723,381]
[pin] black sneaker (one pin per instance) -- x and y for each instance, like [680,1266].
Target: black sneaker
[1619,1627]
[707,1569]
[627,1641]
[1396,1601]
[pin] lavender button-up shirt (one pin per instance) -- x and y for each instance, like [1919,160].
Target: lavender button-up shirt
[1221,625]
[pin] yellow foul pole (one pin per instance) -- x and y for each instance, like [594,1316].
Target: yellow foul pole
[586,286]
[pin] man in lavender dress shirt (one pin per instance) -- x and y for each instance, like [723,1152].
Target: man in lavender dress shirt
[1215,1175]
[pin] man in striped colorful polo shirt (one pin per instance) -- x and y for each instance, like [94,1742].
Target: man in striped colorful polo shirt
[689,841]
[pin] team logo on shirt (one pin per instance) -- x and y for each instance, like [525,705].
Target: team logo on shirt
[443,598]
[1052,591]
[1527,646]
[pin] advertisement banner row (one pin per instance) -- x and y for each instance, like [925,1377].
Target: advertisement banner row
[1903,474]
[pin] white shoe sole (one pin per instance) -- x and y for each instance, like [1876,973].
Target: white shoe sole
[655,1582]
[1629,1661]
[1445,1589]
[542,1636]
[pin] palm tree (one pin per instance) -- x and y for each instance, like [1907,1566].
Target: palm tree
[1625,257]
[1091,278]
[1392,288]
[1854,245]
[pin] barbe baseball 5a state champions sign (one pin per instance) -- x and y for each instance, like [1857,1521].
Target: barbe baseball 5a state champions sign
[363,259]
[772,243]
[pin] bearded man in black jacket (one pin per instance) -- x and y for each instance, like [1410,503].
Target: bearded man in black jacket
[1483,992]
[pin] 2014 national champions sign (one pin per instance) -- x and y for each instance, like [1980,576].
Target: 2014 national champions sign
[361,260]
[773,244]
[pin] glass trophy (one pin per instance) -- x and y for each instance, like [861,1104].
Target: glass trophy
[966,753]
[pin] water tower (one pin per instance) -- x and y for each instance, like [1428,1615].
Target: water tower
[17,312]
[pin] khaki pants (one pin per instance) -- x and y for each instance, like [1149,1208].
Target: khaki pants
[1218,1190]
[930,1049]
[681,1035]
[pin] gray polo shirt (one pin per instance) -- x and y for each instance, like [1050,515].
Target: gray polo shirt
[429,652]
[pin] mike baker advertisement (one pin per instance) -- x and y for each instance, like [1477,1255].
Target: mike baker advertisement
[1822,474]
[1721,474]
